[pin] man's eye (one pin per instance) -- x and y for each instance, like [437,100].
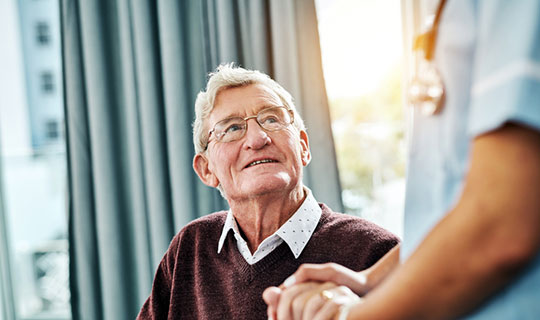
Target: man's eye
[233,128]
[270,119]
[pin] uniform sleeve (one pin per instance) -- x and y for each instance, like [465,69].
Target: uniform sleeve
[506,72]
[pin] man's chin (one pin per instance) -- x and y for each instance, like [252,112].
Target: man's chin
[262,187]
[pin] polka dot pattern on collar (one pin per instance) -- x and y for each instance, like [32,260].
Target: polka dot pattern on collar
[296,232]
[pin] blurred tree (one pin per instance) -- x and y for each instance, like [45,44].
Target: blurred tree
[369,136]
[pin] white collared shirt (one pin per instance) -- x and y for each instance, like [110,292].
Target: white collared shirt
[296,232]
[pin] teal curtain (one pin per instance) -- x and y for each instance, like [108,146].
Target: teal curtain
[132,70]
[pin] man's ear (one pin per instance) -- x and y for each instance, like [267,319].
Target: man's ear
[304,145]
[201,167]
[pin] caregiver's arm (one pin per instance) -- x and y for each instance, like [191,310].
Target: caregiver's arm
[481,245]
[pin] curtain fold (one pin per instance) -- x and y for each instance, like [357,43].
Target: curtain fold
[297,65]
[132,71]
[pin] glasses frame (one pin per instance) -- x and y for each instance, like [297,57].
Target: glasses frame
[291,113]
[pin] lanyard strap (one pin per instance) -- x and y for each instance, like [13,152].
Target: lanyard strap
[426,41]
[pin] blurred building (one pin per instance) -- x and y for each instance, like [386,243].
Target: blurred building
[40,39]
[32,150]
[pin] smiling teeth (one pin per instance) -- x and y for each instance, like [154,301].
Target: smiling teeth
[259,162]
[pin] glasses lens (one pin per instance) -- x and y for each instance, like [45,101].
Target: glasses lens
[270,119]
[273,119]
[230,129]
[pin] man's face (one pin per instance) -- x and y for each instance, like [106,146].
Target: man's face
[231,164]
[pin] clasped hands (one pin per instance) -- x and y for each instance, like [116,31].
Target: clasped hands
[317,292]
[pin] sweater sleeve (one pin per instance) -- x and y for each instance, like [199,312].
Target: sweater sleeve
[383,241]
[157,304]
[350,241]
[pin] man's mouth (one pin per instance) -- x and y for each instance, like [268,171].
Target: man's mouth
[254,163]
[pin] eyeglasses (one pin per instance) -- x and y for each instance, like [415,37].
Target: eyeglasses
[232,129]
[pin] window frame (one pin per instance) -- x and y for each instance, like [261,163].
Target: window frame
[7,303]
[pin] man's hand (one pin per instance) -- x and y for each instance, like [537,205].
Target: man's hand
[308,300]
[359,282]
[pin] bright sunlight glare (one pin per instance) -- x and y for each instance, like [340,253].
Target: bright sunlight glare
[359,43]
[361,46]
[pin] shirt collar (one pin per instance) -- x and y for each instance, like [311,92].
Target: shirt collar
[230,223]
[296,232]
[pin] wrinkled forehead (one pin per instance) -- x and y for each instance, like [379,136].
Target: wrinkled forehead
[242,101]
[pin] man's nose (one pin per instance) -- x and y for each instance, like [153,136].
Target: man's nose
[256,137]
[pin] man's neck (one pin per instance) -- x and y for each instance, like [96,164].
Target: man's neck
[261,216]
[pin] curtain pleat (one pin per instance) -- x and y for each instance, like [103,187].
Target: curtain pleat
[132,70]
[313,103]
[84,258]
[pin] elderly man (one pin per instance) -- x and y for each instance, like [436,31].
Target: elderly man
[252,145]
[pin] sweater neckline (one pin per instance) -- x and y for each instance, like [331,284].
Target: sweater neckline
[249,272]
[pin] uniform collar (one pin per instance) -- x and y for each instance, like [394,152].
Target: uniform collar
[296,232]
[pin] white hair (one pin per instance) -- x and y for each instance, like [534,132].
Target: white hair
[229,76]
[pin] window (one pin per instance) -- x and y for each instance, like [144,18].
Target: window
[43,33]
[361,50]
[52,130]
[33,224]
[47,82]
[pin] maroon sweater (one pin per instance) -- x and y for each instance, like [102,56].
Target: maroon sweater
[193,281]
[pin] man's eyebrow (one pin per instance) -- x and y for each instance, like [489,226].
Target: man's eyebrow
[237,115]
[265,107]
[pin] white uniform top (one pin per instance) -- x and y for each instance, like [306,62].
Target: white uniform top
[488,55]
